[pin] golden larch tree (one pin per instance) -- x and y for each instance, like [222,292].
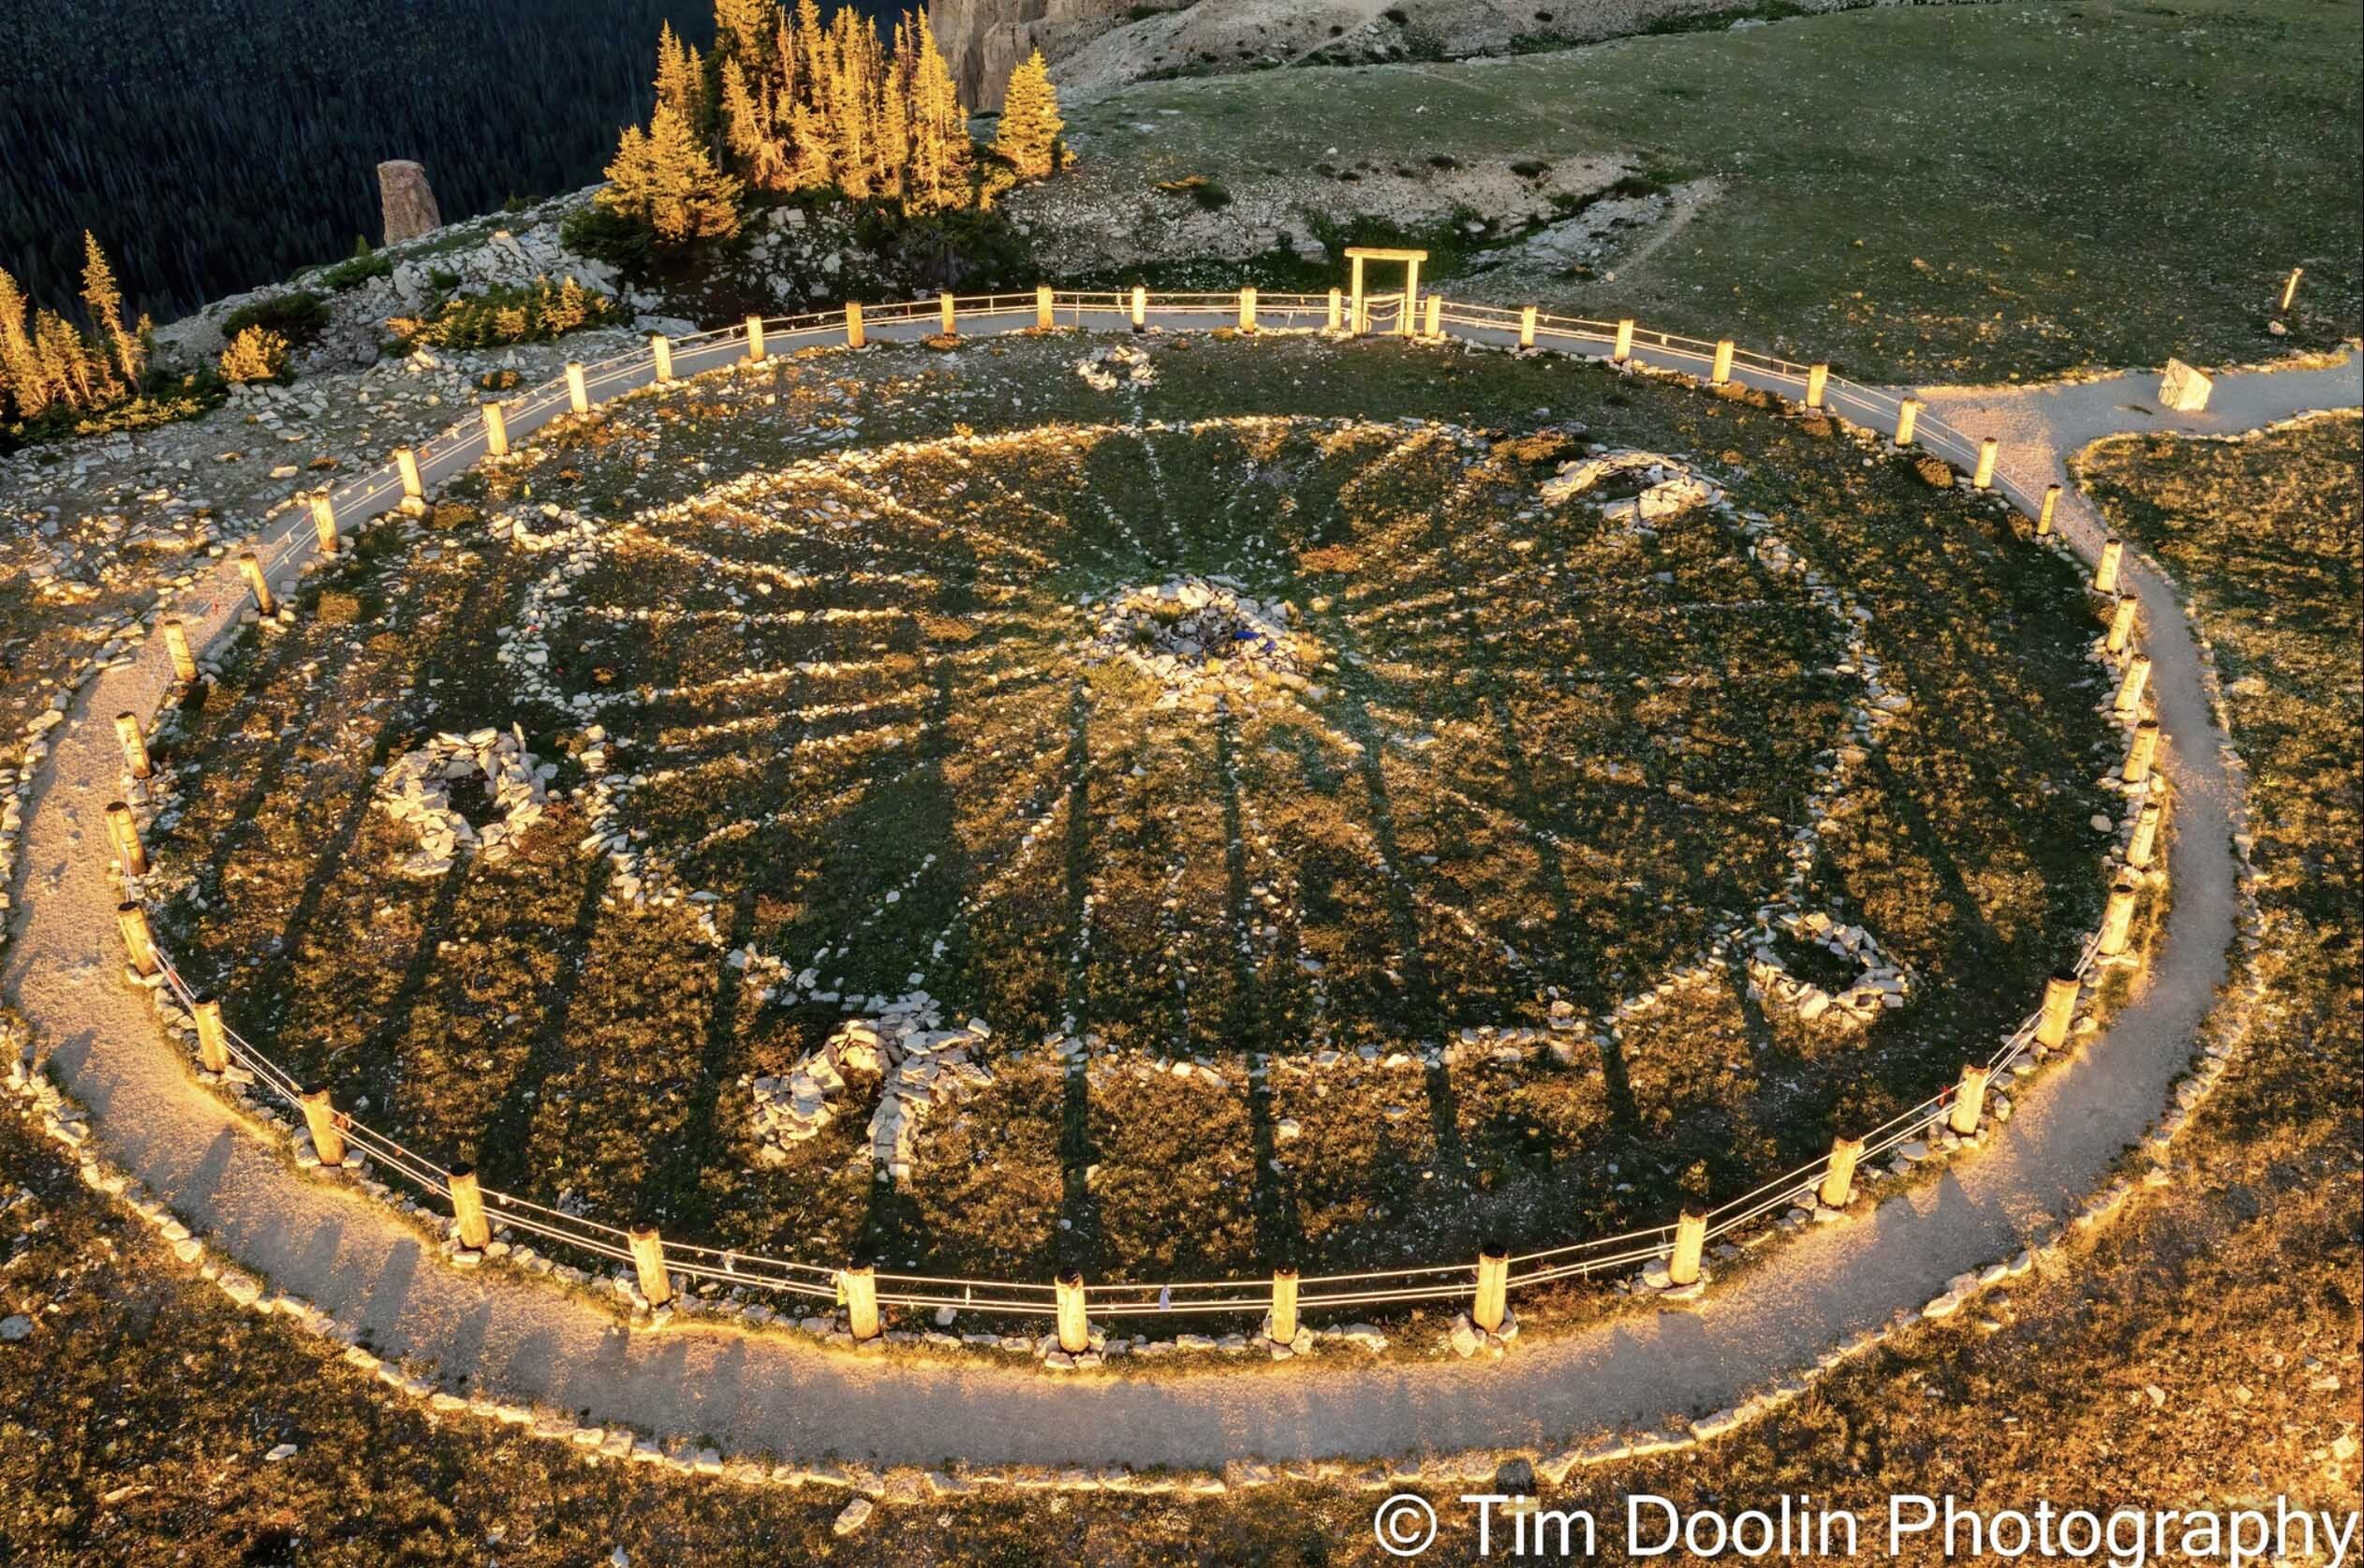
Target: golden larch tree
[663,177]
[1029,136]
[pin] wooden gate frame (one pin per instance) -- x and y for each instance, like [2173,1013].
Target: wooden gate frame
[1359,318]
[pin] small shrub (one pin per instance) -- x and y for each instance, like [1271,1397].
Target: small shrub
[256,354]
[1935,472]
[1530,168]
[1210,195]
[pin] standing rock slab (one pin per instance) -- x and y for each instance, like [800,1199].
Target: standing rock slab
[407,199]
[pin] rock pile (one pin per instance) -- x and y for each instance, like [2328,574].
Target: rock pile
[919,1066]
[416,790]
[1205,640]
[1118,365]
[1881,985]
[1669,486]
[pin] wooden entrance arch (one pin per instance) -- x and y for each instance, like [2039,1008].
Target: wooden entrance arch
[1360,315]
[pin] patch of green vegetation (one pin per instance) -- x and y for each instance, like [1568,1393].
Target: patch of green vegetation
[299,316]
[521,313]
[364,265]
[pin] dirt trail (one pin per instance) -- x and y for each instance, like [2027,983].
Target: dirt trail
[518,1338]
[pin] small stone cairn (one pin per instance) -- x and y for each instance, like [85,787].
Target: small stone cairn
[1206,641]
[919,1065]
[416,790]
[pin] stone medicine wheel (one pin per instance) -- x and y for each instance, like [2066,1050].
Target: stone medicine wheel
[1356,256]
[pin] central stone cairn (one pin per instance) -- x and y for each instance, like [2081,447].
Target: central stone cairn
[1206,642]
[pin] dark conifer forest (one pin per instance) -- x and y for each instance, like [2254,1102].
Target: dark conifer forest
[216,145]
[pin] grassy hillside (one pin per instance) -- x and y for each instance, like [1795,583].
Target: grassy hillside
[1954,192]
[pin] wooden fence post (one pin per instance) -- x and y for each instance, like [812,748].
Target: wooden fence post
[139,942]
[578,390]
[495,429]
[176,644]
[1983,478]
[1970,1101]
[136,761]
[855,336]
[1074,1328]
[2141,752]
[1690,1240]
[1338,310]
[2106,569]
[2121,624]
[947,314]
[2145,842]
[1432,318]
[2130,690]
[755,340]
[1623,348]
[2059,1010]
[1284,1305]
[1491,1299]
[467,1209]
[328,1142]
[1248,310]
[1722,370]
[1817,383]
[2044,516]
[1045,308]
[2118,918]
[212,1043]
[1838,1178]
[2290,289]
[1907,420]
[1140,308]
[648,1262]
[1527,328]
[324,522]
[123,833]
[862,1300]
[257,583]
[661,353]
[406,466]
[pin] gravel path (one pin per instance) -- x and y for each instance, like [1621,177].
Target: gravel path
[518,1338]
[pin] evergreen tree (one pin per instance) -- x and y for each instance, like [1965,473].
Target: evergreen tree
[1028,139]
[940,148]
[663,178]
[748,136]
[743,30]
[64,366]
[21,378]
[104,301]
[680,77]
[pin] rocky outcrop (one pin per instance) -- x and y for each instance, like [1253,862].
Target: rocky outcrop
[407,200]
[985,39]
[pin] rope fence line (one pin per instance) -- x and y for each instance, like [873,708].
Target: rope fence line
[1828,1181]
